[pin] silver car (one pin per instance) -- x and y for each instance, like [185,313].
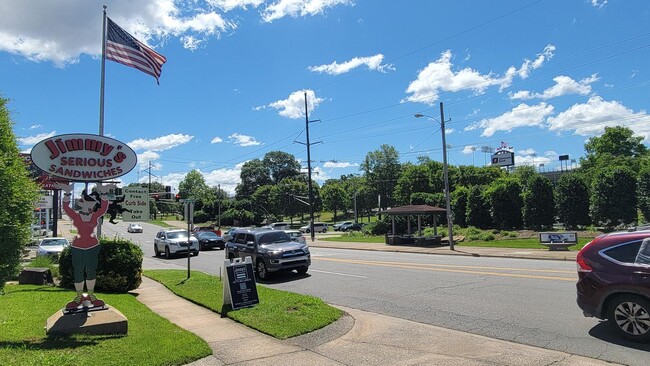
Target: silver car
[172,242]
[51,246]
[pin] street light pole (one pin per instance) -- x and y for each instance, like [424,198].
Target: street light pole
[450,225]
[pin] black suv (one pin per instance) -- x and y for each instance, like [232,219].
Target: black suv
[614,282]
[270,251]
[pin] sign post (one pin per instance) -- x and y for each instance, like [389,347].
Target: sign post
[188,207]
[239,289]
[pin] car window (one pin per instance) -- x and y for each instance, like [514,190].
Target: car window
[207,234]
[625,253]
[240,238]
[643,257]
[177,234]
[250,238]
[273,237]
[54,242]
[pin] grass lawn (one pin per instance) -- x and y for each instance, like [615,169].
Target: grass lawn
[151,340]
[160,223]
[529,243]
[280,314]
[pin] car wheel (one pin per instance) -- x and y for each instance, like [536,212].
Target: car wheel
[196,254]
[307,231]
[630,316]
[156,252]
[262,272]
[231,257]
[168,254]
[324,231]
[302,270]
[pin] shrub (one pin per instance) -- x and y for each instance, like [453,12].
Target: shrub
[45,262]
[487,236]
[201,217]
[119,268]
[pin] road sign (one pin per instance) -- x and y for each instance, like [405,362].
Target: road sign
[135,204]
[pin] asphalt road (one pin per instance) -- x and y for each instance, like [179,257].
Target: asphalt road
[520,300]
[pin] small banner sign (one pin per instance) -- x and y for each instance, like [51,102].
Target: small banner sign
[565,237]
[135,204]
[239,289]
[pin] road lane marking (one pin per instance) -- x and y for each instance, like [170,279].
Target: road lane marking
[451,268]
[337,273]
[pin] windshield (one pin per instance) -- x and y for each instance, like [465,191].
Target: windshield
[207,235]
[50,242]
[273,237]
[177,234]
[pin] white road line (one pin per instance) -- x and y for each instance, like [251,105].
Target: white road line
[336,273]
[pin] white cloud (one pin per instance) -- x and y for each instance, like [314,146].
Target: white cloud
[591,118]
[598,3]
[147,156]
[439,76]
[564,85]
[216,140]
[33,127]
[372,62]
[527,152]
[521,116]
[49,30]
[339,164]
[161,143]
[295,8]
[317,174]
[294,106]
[228,5]
[531,160]
[243,140]
[33,140]
[470,149]
[550,153]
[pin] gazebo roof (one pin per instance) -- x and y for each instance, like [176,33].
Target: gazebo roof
[414,210]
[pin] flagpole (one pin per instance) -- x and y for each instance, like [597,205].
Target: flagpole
[101,101]
[101,87]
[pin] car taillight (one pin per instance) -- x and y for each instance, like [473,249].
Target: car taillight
[583,266]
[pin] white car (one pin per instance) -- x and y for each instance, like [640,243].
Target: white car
[172,242]
[296,235]
[134,228]
[51,246]
[319,227]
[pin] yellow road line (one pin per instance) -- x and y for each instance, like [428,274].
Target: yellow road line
[450,268]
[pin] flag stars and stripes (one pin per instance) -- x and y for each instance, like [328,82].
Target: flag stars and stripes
[123,48]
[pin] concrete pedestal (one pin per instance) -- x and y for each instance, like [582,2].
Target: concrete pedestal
[99,322]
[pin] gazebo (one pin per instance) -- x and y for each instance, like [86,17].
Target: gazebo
[409,238]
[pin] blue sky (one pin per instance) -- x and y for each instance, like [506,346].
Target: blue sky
[542,76]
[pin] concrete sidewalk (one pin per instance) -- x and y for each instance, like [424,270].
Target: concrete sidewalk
[358,338]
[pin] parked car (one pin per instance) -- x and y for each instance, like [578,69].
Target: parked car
[614,282]
[227,236]
[351,227]
[209,240]
[277,226]
[319,227]
[296,235]
[337,227]
[173,242]
[206,228]
[38,230]
[270,251]
[51,247]
[134,228]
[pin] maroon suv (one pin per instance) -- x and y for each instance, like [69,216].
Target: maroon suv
[614,282]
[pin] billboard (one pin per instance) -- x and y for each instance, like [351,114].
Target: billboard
[503,158]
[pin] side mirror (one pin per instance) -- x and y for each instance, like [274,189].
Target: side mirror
[250,244]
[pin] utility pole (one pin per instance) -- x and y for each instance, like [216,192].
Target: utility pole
[309,184]
[219,200]
[450,225]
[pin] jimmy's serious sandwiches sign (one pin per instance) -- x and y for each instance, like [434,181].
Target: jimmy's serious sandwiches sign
[83,157]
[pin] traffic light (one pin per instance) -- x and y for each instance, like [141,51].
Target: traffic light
[156,197]
[168,192]
[178,197]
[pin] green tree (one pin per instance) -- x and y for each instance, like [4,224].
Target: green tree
[643,191]
[414,178]
[616,147]
[539,203]
[18,196]
[281,165]
[334,197]
[613,202]
[254,174]
[572,198]
[506,203]
[478,208]
[459,205]
[193,187]
[382,169]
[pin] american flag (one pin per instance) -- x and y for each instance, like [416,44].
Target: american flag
[123,48]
